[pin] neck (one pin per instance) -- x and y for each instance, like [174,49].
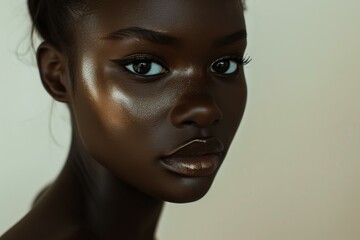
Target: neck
[114,210]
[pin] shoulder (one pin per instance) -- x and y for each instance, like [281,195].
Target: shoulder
[19,231]
[47,222]
[73,233]
[41,194]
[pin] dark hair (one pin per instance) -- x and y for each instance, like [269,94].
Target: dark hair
[52,19]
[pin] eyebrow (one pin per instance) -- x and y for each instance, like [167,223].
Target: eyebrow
[163,38]
[143,34]
[232,38]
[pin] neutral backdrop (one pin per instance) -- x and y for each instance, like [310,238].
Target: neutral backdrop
[293,171]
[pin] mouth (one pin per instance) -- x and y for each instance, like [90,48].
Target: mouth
[197,158]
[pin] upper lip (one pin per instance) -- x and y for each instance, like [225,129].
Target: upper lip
[197,147]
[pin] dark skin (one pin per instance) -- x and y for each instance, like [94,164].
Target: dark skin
[127,115]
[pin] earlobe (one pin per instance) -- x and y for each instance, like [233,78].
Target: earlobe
[53,70]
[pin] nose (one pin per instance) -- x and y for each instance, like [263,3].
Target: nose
[198,111]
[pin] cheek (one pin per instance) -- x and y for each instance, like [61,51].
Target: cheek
[104,120]
[235,105]
[232,101]
[116,122]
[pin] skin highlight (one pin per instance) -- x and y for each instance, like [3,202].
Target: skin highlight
[151,78]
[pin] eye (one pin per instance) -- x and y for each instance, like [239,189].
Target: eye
[224,66]
[229,65]
[142,65]
[145,68]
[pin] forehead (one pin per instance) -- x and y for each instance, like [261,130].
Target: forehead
[197,17]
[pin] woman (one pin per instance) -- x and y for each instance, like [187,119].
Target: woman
[156,92]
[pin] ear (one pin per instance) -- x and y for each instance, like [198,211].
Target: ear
[53,70]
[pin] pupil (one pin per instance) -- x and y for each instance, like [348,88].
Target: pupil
[142,67]
[222,66]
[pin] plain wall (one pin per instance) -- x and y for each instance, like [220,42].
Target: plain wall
[293,171]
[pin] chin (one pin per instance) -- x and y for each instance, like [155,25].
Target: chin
[190,190]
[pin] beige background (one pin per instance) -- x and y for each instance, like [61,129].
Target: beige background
[294,168]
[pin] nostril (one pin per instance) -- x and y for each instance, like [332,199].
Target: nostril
[188,123]
[192,123]
[216,122]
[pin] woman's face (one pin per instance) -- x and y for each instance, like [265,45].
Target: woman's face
[156,76]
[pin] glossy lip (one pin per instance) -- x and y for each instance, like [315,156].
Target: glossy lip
[197,158]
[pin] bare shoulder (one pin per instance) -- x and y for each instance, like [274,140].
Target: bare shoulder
[48,221]
[40,195]
[79,234]
[26,231]
[74,233]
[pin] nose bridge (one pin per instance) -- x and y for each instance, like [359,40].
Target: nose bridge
[196,108]
[191,78]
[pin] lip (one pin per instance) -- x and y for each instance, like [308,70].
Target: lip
[197,158]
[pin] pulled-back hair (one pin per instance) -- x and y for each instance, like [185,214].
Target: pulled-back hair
[52,19]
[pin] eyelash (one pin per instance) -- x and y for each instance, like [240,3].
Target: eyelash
[151,58]
[139,58]
[239,59]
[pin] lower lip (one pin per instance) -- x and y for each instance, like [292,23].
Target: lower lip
[193,166]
